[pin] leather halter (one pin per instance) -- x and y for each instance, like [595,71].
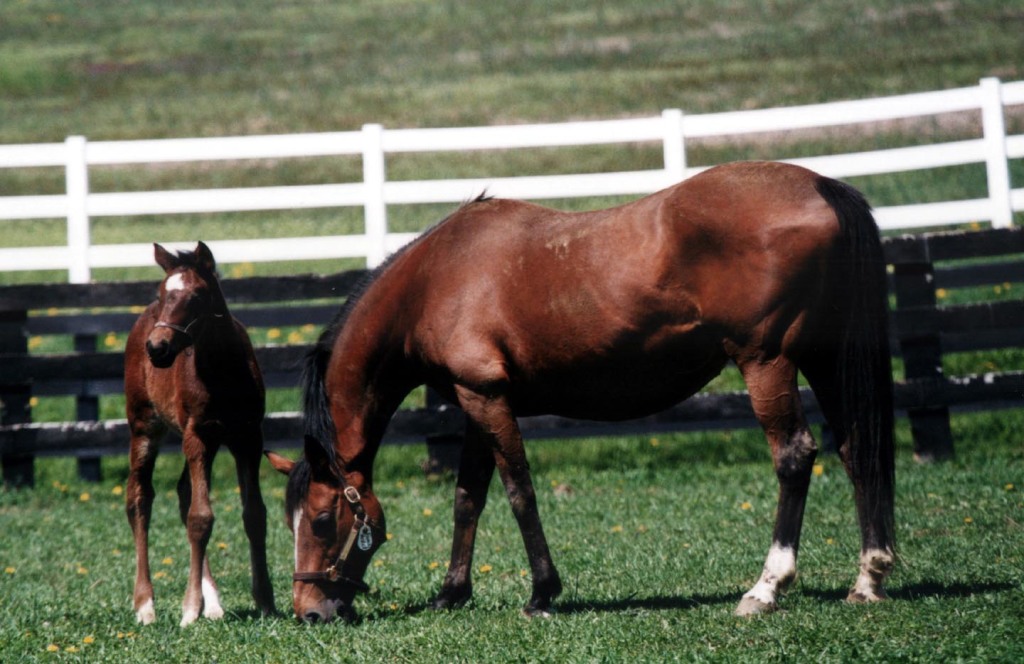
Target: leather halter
[187,329]
[363,540]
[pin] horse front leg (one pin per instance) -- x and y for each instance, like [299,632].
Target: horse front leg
[139,508]
[254,517]
[476,468]
[198,517]
[776,402]
[493,416]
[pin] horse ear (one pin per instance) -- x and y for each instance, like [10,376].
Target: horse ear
[315,453]
[205,257]
[164,258]
[279,463]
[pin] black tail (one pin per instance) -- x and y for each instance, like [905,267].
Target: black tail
[865,371]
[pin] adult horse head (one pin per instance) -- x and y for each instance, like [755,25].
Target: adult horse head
[509,309]
[336,528]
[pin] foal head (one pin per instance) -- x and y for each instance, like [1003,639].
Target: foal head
[336,529]
[189,296]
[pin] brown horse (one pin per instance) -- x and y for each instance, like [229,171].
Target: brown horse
[189,367]
[507,308]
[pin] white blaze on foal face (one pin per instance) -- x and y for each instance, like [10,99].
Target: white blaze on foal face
[175,282]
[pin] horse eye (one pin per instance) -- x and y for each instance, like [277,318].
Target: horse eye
[323,525]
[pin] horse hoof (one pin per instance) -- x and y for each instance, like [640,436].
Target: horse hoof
[213,613]
[537,613]
[859,597]
[751,606]
[146,615]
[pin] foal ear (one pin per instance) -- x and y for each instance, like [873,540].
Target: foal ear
[279,463]
[164,258]
[205,257]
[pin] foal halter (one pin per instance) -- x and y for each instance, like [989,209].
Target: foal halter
[363,540]
[187,329]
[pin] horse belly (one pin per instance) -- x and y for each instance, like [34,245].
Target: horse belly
[621,384]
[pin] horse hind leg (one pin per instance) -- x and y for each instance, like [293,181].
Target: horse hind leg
[776,402]
[876,557]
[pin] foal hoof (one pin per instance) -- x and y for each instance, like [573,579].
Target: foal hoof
[146,615]
[751,606]
[449,600]
[537,613]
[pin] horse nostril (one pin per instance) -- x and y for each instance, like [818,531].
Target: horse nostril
[312,617]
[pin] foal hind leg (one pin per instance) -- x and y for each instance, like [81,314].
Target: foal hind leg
[498,426]
[476,468]
[254,517]
[776,402]
[199,526]
[211,596]
[138,508]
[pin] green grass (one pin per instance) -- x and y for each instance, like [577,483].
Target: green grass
[655,539]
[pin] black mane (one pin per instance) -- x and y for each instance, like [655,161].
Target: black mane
[317,420]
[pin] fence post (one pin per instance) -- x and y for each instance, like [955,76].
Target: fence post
[15,407]
[87,409]
[997,167]
[674,146]
[76,173]
[375,210]
[922,359]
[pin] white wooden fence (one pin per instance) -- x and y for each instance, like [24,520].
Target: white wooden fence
[376,192]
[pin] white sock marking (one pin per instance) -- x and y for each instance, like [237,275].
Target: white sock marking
[779,570]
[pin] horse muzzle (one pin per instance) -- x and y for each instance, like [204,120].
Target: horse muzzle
[162,350]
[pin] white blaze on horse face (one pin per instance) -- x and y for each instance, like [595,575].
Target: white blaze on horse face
[296,521]
[175,282]
[779,571]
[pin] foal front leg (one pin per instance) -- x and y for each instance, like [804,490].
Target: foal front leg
[199,526]
[493,416]
[138,508]
[476,468]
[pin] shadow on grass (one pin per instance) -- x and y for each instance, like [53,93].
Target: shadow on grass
[921,590]
[659,603]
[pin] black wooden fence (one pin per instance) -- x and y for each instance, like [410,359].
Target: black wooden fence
[924,267]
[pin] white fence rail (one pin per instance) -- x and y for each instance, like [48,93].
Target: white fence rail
[375,193]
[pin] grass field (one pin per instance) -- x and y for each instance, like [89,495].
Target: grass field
[656,538]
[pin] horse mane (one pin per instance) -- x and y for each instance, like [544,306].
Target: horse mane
[317,421]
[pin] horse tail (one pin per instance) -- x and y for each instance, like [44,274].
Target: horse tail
[865,362]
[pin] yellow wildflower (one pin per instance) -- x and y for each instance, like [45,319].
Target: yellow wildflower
[818,469]
[745,506]
[484,569]
[88,639]
[616,528]
[427,511]
[168,561]
[117,490]
[9,570]
[84,497]
[53,647]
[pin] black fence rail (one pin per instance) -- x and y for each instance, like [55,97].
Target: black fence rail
[924,268]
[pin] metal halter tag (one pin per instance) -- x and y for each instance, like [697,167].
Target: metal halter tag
[365,539]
